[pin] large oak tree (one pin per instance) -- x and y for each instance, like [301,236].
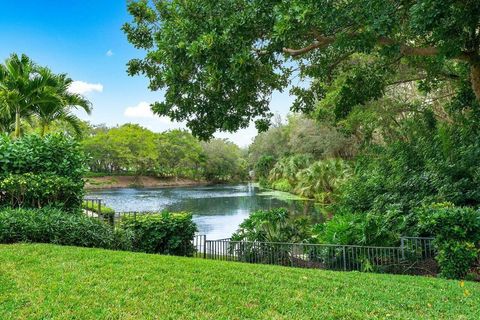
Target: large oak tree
[221,60]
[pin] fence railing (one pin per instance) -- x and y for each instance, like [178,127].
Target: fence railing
[323,256]
[421,247]
[412,254]
[95,205]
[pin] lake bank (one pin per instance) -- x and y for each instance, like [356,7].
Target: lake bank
[115,182]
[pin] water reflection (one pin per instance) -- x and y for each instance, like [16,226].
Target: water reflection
[217,210]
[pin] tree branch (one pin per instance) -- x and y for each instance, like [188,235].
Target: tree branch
[322,42]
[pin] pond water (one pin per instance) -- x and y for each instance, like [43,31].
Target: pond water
[217,210]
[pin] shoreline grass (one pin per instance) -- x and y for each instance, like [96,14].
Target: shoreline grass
[39,281]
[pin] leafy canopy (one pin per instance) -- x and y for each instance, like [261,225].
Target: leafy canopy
[221,60]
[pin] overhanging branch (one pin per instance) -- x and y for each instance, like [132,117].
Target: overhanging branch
[405,50]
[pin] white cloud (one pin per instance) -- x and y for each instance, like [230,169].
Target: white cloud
[109,53]
[82,87]
[141,110]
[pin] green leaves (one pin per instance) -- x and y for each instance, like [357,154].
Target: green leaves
[220,62]
[275,225]
[37,172]
[50,225]
[166,233]
[457,233]
[31,93]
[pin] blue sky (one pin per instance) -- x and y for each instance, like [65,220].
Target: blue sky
[83,38]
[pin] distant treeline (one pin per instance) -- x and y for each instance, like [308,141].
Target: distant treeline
[132,149]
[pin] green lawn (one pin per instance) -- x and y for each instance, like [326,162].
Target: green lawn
[52,282]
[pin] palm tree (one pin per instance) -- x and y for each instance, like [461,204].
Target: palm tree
[322,179]
[28,91]
[22,85]
[61,107]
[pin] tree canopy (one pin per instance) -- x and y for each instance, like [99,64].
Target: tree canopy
[132,149]
[220,61]
[34,94]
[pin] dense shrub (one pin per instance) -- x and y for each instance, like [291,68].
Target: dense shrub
[275,225]
[53,153]
[282,185]
[432,163]
[38,172]
[263,166]
[341,229]
[50,225]
[38,190]
[457,233]
[166,233]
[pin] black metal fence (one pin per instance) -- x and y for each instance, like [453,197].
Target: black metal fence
[403,259]
[94,207]
[413,254]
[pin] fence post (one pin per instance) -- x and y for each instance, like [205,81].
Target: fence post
[204,246]
[344,260]
[402,247]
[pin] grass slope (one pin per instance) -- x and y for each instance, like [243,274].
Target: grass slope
[52,282]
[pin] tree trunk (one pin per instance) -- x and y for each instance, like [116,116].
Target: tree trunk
[475,79]
[17,124]
[44,129]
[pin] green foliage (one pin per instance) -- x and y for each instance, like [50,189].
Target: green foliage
[321,180]
[229,56]
[180,154]
[456,258]
[281,184]
[128,148]
[223,161]
[54,154]
[131,149]
[104,210]
[287,168]
[274,225]
[341,229]
[49,225]
[31,93]
[38,190]
[457,236]
[37,171]
[429,165]
[307,136]
[272,143]
[166,233]
[263,166]
[301,135]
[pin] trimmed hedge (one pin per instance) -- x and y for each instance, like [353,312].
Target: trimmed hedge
[50,225]
[38,172]
[165,233]
[31,190]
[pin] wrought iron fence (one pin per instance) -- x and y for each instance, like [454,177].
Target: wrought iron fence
[96,207]
[403,259]
[199,243]
[420,247]
[413,253]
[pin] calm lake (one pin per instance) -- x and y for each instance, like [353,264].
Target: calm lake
[217,210]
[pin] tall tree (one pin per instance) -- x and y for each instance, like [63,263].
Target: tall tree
[221,60]
[22,86]
[61,107]
[31,92]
